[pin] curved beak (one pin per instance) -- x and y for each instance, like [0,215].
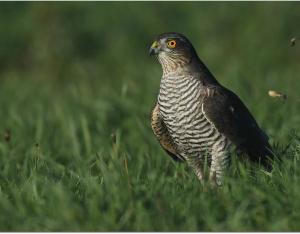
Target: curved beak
[154,48]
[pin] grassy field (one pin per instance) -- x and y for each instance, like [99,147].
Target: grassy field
[77,86]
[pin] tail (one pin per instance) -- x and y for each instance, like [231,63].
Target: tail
[267,158]
[261,152]
[263,155]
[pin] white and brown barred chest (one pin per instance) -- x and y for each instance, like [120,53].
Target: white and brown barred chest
[180,104]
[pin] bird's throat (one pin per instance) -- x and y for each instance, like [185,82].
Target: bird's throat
[173,64]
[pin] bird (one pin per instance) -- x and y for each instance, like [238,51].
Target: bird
[196,119]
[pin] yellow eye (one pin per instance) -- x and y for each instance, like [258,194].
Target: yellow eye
[172,44]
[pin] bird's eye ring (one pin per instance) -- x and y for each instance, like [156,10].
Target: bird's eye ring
[172,44]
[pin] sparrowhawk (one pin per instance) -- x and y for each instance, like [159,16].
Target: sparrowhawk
[198,120]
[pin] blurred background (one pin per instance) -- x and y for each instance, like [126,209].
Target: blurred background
[103,46]
[76,90]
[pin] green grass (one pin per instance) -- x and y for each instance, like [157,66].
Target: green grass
[77,87]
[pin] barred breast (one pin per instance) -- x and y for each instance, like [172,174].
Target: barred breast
[180,103]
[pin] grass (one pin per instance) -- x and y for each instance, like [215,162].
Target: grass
[77,152]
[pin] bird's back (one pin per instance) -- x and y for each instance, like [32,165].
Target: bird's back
[233,119]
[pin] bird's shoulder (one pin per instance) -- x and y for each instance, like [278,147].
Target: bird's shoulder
[225,110]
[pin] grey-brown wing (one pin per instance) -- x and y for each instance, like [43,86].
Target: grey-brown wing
[161,132]
[230,116]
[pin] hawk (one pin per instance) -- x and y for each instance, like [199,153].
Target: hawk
[198,120]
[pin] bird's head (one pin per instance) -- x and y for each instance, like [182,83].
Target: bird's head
[172,50]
